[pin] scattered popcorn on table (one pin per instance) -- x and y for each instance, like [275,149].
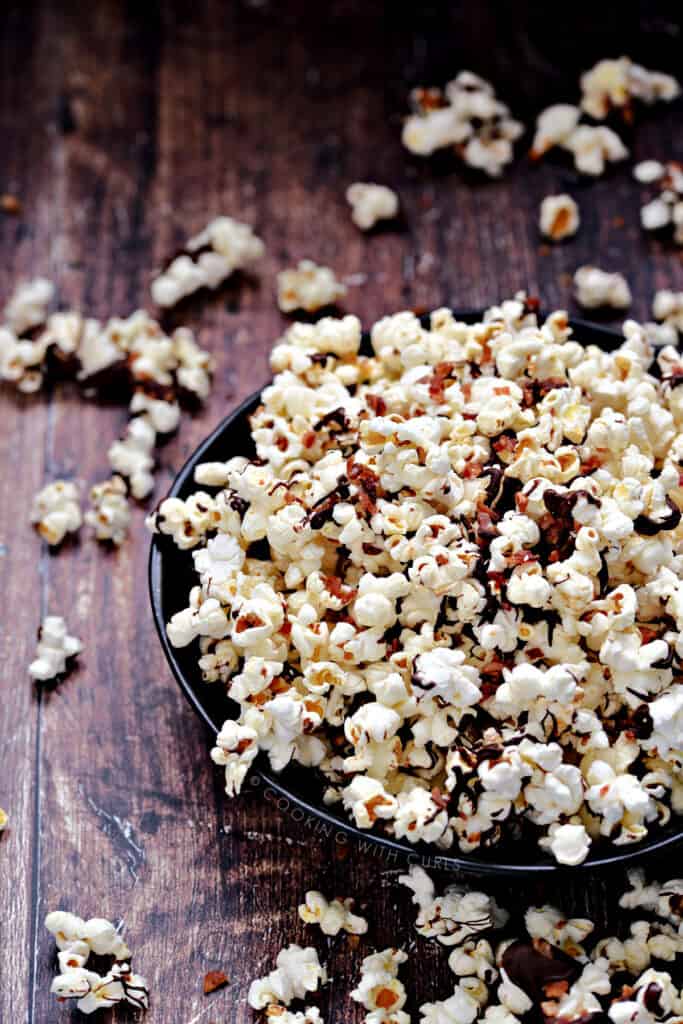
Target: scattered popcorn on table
[56,511]
[595,289]
[209,258]
[76,939]
[556,970]
[54,650]
[613,84]
[371,203]
[466,116]
[380,990]
[298,972]
[308,287]
[667,306]
[559,217]
[462,615]
[27,306]
[110,514]
[665,210]
[333,917]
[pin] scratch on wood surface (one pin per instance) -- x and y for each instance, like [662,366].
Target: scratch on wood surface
[120,832]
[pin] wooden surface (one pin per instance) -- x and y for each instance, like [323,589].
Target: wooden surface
[122,133]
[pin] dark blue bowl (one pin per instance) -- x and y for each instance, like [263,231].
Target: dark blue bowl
[171,577]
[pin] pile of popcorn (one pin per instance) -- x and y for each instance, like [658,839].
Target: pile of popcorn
[665,211]
[159,371]
[467,117]
[451,581]
[611,85]
[555,969]
[76,939]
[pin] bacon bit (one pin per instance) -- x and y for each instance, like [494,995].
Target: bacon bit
[242,746]
[466,389]
[439,799]
[282,443]
[497,578]
[591,463]
[441,560]
[429,98]
[437,380]
[377,404]
[648,634]
[309,439]
[367,481]
[385,998]
[522,502]
[342,591]
[285,628]
[214,980]
[370,549]
[532,304]
[534,653]
[472,470]
[505,443]
[522,558]
[249,621]
[10,204]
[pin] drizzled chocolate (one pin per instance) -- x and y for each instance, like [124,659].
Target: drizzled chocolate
[534,966]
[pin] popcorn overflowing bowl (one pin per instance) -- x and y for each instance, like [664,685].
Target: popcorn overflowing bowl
[437,571]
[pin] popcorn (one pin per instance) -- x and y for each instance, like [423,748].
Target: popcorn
[371,203]
[591,146]
[453,592]
[380,990]
[309,287]
[559,217]
[3,820]
[27,306]
[333,917]
[298,972]
[664,210]
[77,939]
[132,457]
[56,511]
[612,84]
[668,306]
[54,650]
[595,288]
[110,514]
[457,916]
[224,246]
[467,116]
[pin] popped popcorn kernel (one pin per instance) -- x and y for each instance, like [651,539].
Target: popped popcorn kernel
[559,217]
[297,972]
[613,84]
[209,258]
[110,512]
[371,203]
[56,511]
[331,916]
[27,306]
[54,650]
[309,287]
[596,288]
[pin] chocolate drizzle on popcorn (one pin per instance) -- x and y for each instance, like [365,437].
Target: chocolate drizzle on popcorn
[450,581]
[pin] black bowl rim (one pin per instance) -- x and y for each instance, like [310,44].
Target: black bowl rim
[418,853]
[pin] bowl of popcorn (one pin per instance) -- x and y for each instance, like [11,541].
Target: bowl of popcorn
[428,583]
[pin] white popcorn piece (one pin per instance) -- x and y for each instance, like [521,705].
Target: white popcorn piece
[595,288]
[298,972]
[309,287]
[664,210]
[667,306]
[56,511]
[648,171]
[27,306]
[76,939]
[454,918]
[380,990]
[132,456]
[371,203]
[224,246]
[613,84]
[54,650]
[332,916]
[569,844]
[591,146]
[466,116]
[110,514]
[559,217]
[277,1014]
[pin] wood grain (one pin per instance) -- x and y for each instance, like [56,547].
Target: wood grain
[124,131]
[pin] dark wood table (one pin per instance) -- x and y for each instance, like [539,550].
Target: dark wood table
[124,128]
